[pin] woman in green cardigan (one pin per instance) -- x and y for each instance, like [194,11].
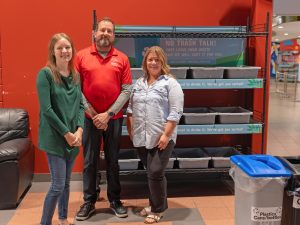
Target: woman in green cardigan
[60,123]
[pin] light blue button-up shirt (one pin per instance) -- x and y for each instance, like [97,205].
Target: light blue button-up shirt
[151,107]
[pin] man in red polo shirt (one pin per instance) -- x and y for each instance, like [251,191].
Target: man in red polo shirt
[106,81]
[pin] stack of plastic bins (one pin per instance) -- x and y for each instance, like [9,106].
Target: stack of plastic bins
[191,158]
[220,156]
[170,164]
[291,197]
[227,115]
[179,72]
[128,159]
[199,115]
[136,73]
[243,72]
[207,72]
[259,186]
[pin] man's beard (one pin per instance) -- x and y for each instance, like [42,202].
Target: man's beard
[104,42]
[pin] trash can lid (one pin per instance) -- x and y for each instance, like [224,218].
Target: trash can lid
[260,165]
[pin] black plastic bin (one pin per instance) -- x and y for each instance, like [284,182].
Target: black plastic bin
[291,197]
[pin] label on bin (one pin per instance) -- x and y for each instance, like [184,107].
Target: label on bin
[296,202]
[266,214]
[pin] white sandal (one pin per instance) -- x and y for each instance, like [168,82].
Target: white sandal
[145,211]
[153,218]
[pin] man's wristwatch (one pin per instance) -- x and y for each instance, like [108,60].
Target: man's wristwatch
[111,114]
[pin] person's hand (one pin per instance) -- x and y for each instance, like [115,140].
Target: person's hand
[163,142]
[78,135]
[102,126]
[100,120]
[91,111]
[70,138]
[130,135]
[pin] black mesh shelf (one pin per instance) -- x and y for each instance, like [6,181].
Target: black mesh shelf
[189,34]
[224,171]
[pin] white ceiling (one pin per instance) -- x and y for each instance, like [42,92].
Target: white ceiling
[286,8]
[291,28]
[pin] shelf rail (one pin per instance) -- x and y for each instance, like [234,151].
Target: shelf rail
[189,34]
[266,62]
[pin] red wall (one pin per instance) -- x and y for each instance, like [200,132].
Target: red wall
[26,27]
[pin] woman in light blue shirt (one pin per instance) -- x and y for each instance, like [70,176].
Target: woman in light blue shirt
[154,110]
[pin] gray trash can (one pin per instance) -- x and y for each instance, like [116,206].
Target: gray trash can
[259,186]
[291,197]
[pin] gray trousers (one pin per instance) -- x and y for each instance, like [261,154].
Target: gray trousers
[156,161]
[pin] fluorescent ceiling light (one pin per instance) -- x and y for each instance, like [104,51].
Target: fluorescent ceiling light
[286,34]
[276,39]
[280,27]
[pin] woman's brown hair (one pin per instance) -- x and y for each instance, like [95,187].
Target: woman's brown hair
[51,64]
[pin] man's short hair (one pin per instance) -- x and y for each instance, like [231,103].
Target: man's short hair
[106,19]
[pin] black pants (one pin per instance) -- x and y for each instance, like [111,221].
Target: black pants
[92,138]
[156,161]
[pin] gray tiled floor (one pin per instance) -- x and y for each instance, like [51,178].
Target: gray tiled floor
[5,216]
[177,216]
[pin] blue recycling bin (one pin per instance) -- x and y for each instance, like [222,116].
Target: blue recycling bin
[259,186]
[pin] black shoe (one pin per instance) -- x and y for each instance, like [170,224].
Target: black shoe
[118,209]
[85,211]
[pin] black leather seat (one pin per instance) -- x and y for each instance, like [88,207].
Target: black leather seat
[16,157]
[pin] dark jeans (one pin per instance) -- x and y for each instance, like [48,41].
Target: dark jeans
[98,177]
[92,138]
[156,161]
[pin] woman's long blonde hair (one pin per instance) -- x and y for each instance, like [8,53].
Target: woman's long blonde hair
[165,68]
[51,64]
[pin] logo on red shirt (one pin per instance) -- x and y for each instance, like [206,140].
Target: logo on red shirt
[115,62]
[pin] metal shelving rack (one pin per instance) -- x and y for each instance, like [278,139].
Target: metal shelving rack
[261,30]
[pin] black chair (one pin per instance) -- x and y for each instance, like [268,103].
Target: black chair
[16,157]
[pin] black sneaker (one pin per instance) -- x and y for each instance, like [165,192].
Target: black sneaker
[118,209]
[85,211]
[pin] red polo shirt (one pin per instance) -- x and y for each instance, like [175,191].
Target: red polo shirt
[102,78]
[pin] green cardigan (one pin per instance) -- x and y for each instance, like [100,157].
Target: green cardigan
[61,111]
